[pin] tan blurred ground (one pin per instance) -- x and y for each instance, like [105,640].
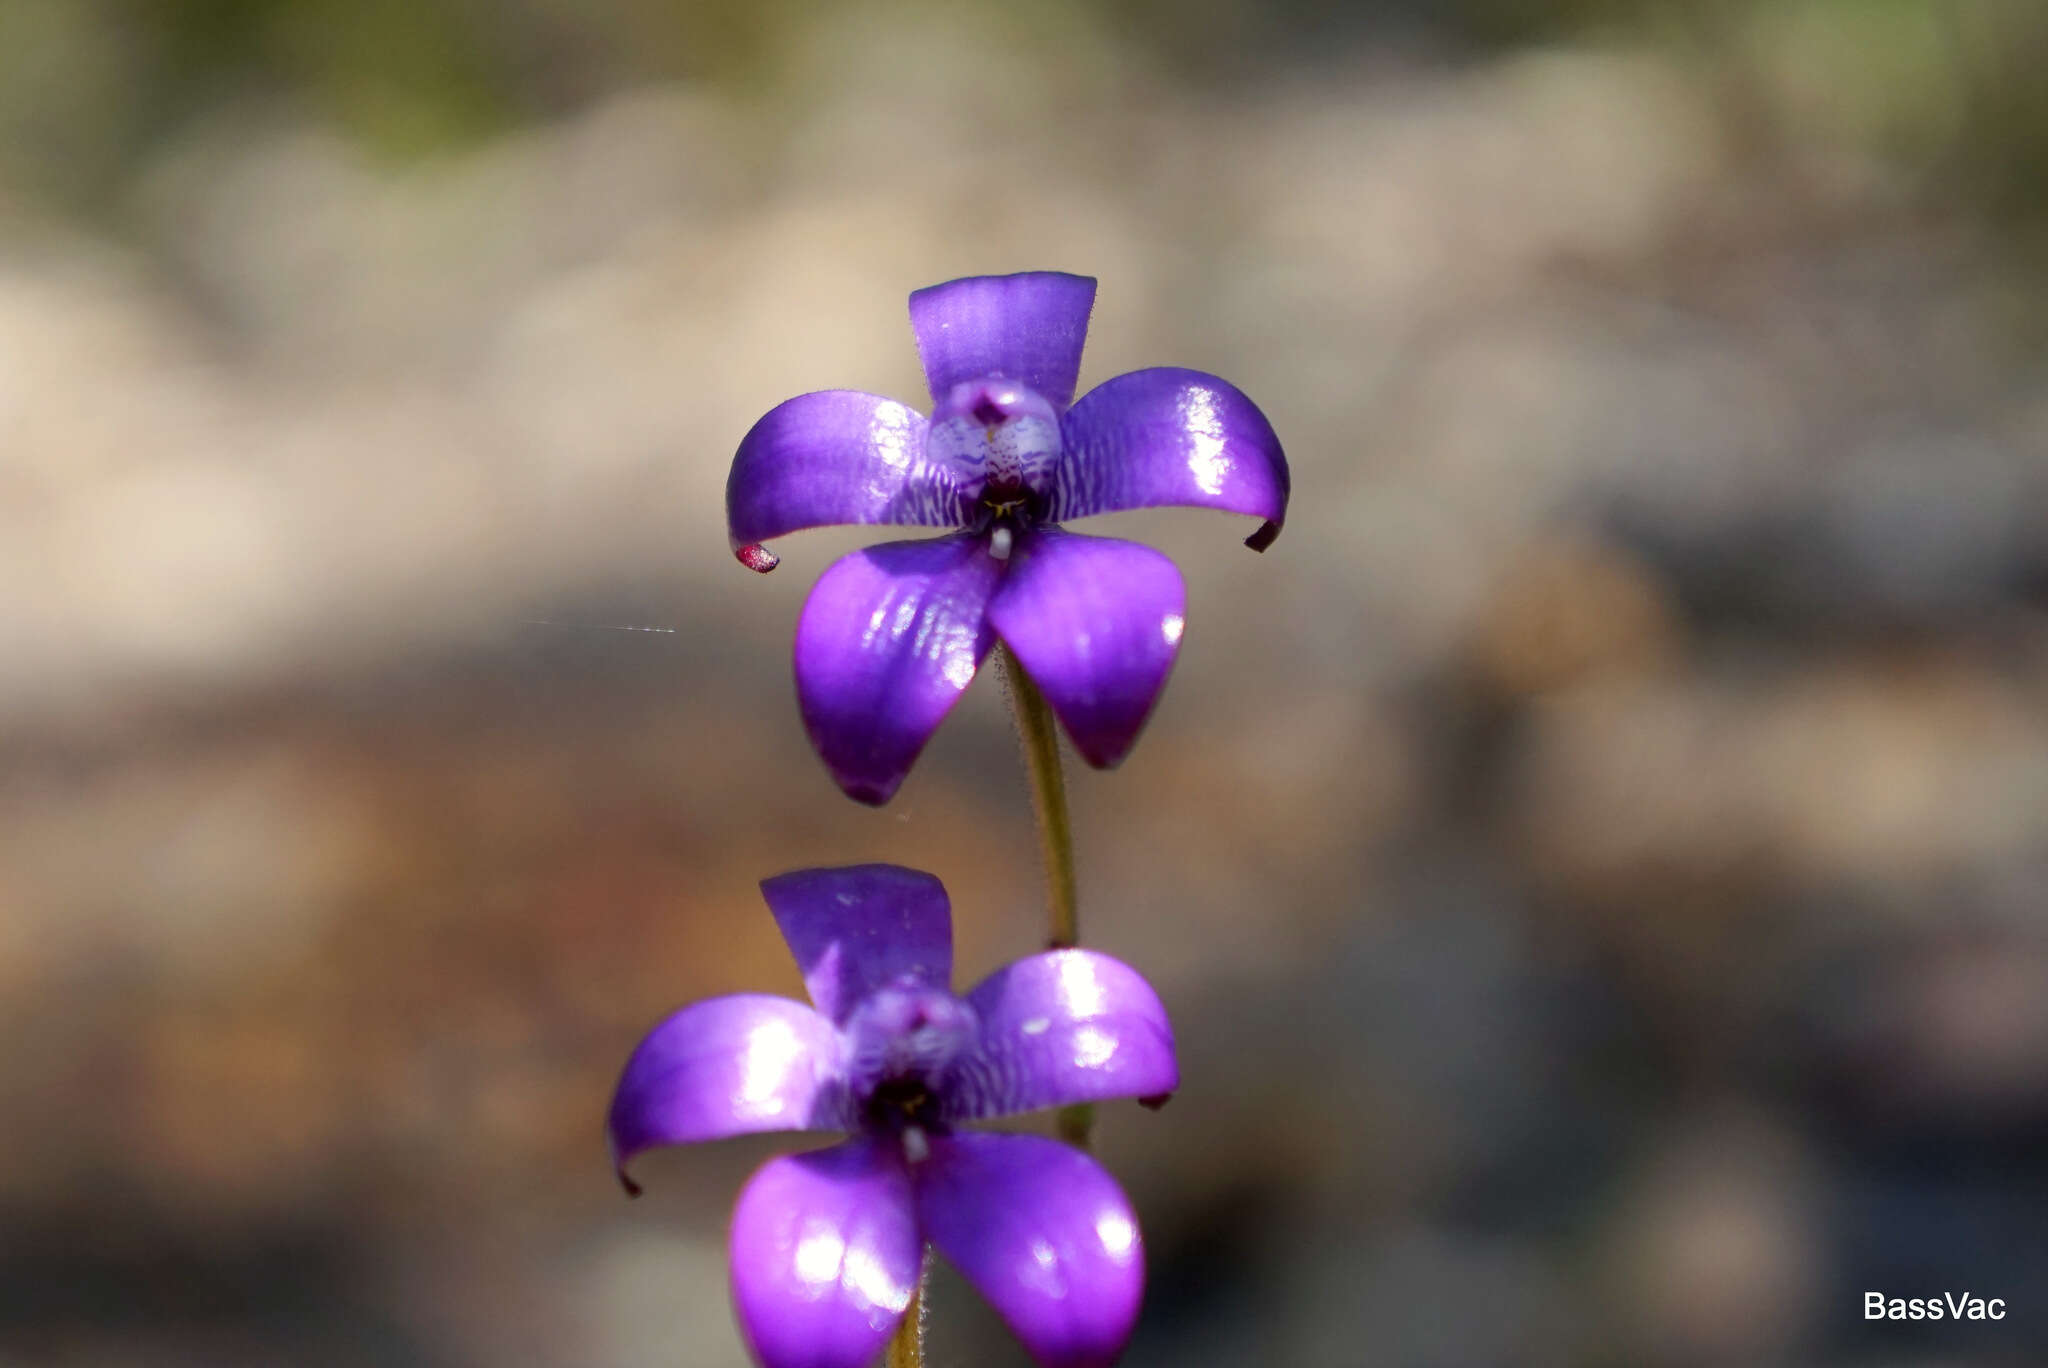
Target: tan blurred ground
[1596,859]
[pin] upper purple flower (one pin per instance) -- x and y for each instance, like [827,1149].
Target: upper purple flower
[826,1246]
[891,636]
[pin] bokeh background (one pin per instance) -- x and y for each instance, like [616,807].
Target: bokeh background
[1596,860]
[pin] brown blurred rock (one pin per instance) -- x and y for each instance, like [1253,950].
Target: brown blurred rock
[1568,612]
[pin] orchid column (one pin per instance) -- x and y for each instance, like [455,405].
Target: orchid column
[886,645]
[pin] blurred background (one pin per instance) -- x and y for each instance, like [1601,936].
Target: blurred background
[1596,860]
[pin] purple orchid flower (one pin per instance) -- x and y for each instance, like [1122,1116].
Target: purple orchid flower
[892,636]
[826,1246]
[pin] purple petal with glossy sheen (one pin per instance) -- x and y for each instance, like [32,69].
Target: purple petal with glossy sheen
[1170,436]
[1029,327]
[888,641]
[825,1252]
[1065,1026]
[729,1066]
[856,929]
[1097,624]
[1044,1234]
[834,457]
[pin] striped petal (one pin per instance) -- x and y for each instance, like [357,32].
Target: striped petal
[1029,327]
[825,1254]
[838,456]
[729,1066]
[1168,436]
[1045,1234]
[1062,1027]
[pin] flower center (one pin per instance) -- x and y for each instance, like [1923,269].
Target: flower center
[900,1045]
[1001,440]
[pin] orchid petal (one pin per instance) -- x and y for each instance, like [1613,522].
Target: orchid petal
[888,641]
[1028,327]
[825,1255]
[838,456]
[729,1066]
[859,928]
[1169,436]
[1044,1234]
[1097,624]
[1062,1027]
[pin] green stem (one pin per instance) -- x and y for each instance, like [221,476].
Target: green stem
[1041,741]
[906,1346]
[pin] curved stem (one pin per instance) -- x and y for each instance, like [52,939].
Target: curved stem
[1040,738]
[906,1346]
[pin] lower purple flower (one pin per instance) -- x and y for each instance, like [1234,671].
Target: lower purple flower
[826,1246]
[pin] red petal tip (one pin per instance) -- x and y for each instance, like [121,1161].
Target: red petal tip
[757,558]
